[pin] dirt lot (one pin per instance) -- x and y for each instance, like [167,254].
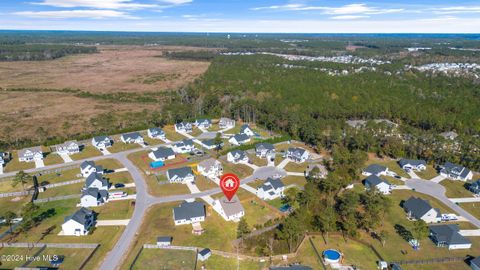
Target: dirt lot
[113,69]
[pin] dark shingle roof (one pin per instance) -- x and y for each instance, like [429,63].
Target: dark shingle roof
[241,137]
[417,207]
[271,182]
[95,176]
[80,216]
[164,239]
[204,251]
[87,163]
[476,262]
[264,146]
[415,162]
[448,233]
[180,172]
[188,210]
[375,169]
[132,135]
[163,152]
[374,180]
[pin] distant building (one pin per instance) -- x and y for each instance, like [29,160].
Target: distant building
[265,150]
[184,127]
[188,213]
[474,187]
[210,168]
[237,156]
[413,164]
[203,123]
[271,189]
[162,154]
[456,172]
[79,223]
[375,169]
[245,129]
[229,210]
[88,167]
[184,146]
[297,154]
[4,158]
[239,139]
[68,148]
[163,241]
[133,137]
[30,154]
[210,144]
[448,235]
[156,133]
[379,184]
[417,208]
[102,142]
[204,254]
[180,175]
[224,123]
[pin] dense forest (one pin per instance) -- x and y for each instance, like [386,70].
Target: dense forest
[36,52]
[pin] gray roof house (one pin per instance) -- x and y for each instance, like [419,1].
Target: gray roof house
[226,122]
[162,153]
[413,164]
[245,129]
[69,148]
[102,142]
[189,212]
[210,167]
[184,127]
[475,263]
[239,139]
[263,150]
[183,146]
[229,210]
[210,144]
[96,180]
[271,189]
[180,175]
[88,167]
[375,169]
[447,235]
[204,254]
[474,187]
[417,208]
[297,154]
[379,184]
[156,133]
[79,223]
[30,154]
[4,157]
[237,156]
[203,123]
[92,197]
[132,137]
[456,172]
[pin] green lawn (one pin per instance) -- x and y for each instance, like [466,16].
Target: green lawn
[455,189]
[256,210]
[240,170]
[472,208]
[165,259]
[115,210]
[61,176]
[13,204]
[15,165]
[119,146]
[119,177]
[109,164]
[73,258]
[296,167]
[150,141]
[6,186]
[156,189]
[87,152]
[52,158]
[203,183]
[216,262]
[62,190]
[300,181]
[257,161]
[428,174]
[171,134]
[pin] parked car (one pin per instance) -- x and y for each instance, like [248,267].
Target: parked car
[119,185]
[119,194]
[398,176]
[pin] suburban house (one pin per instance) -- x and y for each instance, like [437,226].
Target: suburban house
[210,144]
[449,135]
[226,123]
[316,171]
[475,263]
[237,156]
[271,189]
[230,210]
[184,127]
[210,168]
[417,208]
[95,180]
[447,235]
[375,169]
[92,197]
[413,164]
[30,154]
[89,167]
[184,146]
[180,175]
[164,241]
[203,123]
[102,142]
[245,129]
[133,137]
[297,154]
[189,212]
[456,172]
[204,254]
[68,148]
[4,157]
[156,133]
[79,223]
[162,154]
[264,150]
[379,184]
[474,187]
[239,139]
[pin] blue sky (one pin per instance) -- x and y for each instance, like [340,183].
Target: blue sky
[285,16]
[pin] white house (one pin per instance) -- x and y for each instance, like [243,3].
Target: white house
[297,154]
[237,156]
[204,254]
[188,213]
[156,133]
[412,164]
[226,123]
[210,168]
[456,172]
[183,147]
[239,139]
[271,189]
[448,235]
[210,144]
[133,137]
[30,154]
[180,175]
[229,210]
[184,127]
[79,223]
[245,129]
[264,150]
[68,148]
[92,197]
[379,184]
[375,169]
[162,154]
[4,158]
[96,180]
[102,142]
[89,167]
[417,208]
[203,123]
[164,241]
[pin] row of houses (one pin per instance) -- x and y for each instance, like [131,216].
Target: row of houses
[267,150]
[95,190]
[187,127]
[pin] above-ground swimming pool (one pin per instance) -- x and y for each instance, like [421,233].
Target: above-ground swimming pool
[331,256]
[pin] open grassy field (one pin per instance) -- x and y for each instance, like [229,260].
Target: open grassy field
[240,170]
[300,181]
[203,183]
[167,259]
[13,204]
[157,189]
[119,177]
[171,134]
[87,152]
[61,176]
[62,191]
[109,163]
[456,189]
[296,167]
[119,146]
[15,165]
[428,174]
[216,262]
[115,210]
[257,161]
[52,158]
[73,257]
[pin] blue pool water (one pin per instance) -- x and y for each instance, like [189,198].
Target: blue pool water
[284,208]
[331,254]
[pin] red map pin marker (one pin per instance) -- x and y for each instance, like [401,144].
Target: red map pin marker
[229,183]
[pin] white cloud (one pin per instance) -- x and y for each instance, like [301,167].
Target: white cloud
[176,2]
[69,14]
[349,17]
[343,10]
[457,10]
[98,4]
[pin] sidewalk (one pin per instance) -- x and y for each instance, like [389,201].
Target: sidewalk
[39,164]
[66,158]
[283,163]
[113,222]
